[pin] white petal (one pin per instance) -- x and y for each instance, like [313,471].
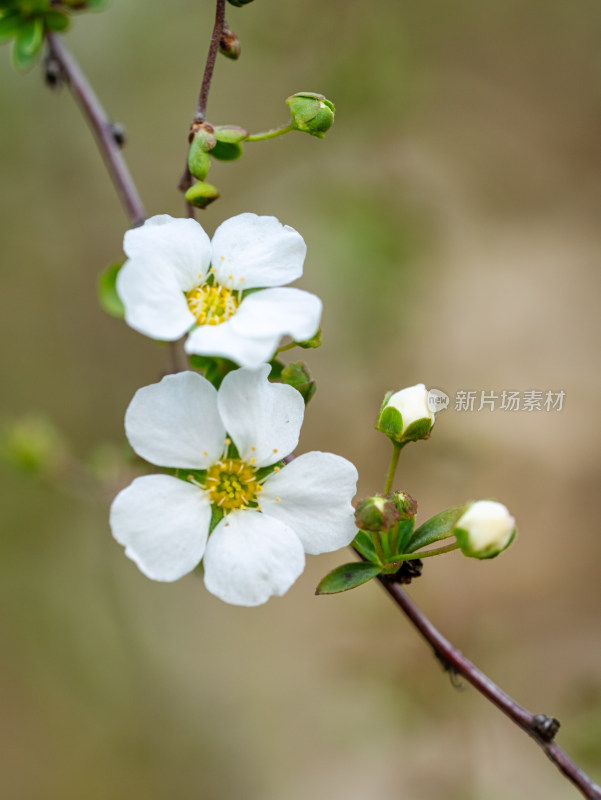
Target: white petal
[223,340]
[264,419]
[163,523]
[279,312]
[251,251]
[315,492]
[155,304]
[180,245]
[251,557]
[175,423]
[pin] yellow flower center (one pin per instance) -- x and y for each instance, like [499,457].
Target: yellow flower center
[231,484]
[212,305]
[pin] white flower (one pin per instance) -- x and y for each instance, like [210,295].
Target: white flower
[258,549]
[485,529]
[176,280]
[402,410]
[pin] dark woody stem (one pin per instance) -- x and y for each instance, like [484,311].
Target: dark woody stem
[201,108]
[102,128]
[540,727]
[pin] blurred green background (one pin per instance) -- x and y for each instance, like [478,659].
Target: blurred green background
[452,217]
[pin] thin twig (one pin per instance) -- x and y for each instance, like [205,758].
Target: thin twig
[538,726]
[102,128]
[201,108]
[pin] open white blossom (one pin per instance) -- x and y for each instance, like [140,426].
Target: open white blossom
[177,281]
[485,529]
[271,517]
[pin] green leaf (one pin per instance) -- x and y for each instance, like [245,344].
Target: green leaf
[404,531]
[347,576]
[107,291]
[439,527]
[226,151]
[28,43]
[364,546]
[10,24]
[56,21]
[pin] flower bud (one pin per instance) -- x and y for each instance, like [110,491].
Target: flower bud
[485,529]
[376,514]
[239,3]
[229,44]
[201,194]
[311,113]
[405,416]
[297,375]
[405,505]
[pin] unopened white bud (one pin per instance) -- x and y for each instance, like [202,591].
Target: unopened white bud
[485,529]
[406,416]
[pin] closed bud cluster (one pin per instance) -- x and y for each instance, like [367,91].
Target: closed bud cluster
[405,505]
[229,44]
[485,529]
[376,514]
[297,375]
[311,113]
[406,416]
[203,140]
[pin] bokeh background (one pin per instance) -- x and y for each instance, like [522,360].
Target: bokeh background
[452,217]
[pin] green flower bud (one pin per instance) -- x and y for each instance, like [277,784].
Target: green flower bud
[297,375]
[239,3]
[485,529]
[376,514]
[229,44]
[405,505]
[201,194]
[311,113]
[406,416]
[32,444]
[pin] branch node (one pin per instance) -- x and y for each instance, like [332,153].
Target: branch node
[546,727]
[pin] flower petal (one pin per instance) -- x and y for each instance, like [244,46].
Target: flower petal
[251,251]
[181,245]
[312,495]
[154,302]
[279,312]
[175,423]
[264,419]
[163,523]
[250,557]
[223,340]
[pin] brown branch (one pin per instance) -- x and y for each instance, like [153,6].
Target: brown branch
[541,728]
[101,126]
[201,108]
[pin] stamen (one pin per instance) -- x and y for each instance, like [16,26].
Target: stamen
[212,305]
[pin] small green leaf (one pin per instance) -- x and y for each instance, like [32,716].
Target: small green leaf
[226,151]
[404,531]
[347,576]
[364,546]
[107,291]
[436,528]
[28,43]
[10,24]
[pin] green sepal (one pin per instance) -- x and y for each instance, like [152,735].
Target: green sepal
[56,21]
[263,472]
[420,429]
[198,160]
[230,134]
[462,537]
[364,545]
[107,291]
[198,475]
[10,24]
[28,43]
[312,343]
[390,422]
[347,576]
[217,514]
[226,151]
[438,527]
